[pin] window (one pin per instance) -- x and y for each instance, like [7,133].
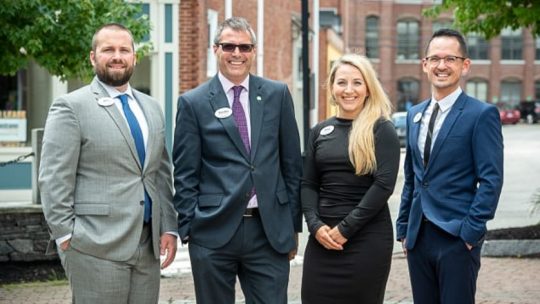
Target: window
[13,123]
[478,46]
[511,44]
[511,91]
[407,90]
[408,39]
[372,37]
[477,88]
[537,89]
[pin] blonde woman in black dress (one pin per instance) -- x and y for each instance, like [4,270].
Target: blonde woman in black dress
[350,171]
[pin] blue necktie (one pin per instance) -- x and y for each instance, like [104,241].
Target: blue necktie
[139,144]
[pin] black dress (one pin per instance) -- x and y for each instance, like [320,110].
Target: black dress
[333,195]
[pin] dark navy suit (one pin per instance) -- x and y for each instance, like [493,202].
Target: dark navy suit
[214,175]
[447,203]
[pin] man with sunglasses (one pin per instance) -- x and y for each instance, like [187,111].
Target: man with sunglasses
[453,179]
[237,176]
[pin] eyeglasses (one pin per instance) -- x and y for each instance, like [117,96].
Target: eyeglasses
[231,47]
[434,60]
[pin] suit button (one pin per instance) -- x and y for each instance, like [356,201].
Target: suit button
[141,202]
[252,168]
[425,184]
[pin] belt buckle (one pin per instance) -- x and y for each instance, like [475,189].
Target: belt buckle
[249,212]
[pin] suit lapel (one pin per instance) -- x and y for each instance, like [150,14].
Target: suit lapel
[218,100]
[116,116]
[256,104]
[448,124]
[415,131]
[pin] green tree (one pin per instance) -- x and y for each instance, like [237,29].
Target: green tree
[57,34]
[490,17]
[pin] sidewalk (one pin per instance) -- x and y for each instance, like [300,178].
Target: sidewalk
[501,281]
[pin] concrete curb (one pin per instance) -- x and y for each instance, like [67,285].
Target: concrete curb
[511,248]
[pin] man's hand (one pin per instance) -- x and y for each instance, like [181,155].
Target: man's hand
[65,245]
[403,246]
[293,252]
[167,246]
[326,240]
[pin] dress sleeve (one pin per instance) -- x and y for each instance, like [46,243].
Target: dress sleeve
[387,153]
[309,193]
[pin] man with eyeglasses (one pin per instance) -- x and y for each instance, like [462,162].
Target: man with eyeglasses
[237,176]
[453,178]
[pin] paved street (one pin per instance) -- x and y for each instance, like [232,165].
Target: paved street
[501,280]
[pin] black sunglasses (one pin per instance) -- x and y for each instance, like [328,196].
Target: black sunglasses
[230,47]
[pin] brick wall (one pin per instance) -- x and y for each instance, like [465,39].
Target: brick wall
[277,37]
[193,36]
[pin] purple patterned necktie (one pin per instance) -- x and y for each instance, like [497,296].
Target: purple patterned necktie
[240,117]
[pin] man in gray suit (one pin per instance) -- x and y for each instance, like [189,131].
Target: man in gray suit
[237,176]
[105,181]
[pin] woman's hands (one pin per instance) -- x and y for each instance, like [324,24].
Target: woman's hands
[330,238]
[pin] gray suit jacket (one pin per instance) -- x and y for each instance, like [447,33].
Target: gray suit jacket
[91,181]
[214,174]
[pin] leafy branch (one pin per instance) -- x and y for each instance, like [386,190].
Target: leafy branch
[57,34]
[490,17]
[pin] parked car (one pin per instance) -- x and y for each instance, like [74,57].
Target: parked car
[509,114]
[400,122]
[530,111]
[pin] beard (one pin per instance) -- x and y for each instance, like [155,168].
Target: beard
[114,79]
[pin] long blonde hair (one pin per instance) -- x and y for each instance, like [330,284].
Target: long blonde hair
[376,106]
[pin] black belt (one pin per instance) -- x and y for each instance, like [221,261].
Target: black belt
[251,212]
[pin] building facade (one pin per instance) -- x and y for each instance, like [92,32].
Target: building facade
[394,34]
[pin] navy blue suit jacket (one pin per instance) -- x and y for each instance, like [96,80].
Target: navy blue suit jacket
[214,174]
[459,189]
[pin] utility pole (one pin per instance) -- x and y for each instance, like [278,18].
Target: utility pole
[306,83]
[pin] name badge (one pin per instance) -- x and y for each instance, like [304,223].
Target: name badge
[105,101]
[223,113]
[327,130]
[417,117]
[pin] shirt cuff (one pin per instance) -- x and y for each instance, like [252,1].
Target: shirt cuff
[60,240]
[173,233]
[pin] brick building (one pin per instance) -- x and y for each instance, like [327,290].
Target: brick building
[394,34]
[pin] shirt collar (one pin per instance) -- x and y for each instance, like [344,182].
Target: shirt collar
[113,92]
[227,84]
[447,102]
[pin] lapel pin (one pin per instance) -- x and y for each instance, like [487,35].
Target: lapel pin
[417,117]
[105,101]
[223,113]
[327,130]
[259,99]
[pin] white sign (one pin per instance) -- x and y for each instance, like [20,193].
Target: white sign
[12,129]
